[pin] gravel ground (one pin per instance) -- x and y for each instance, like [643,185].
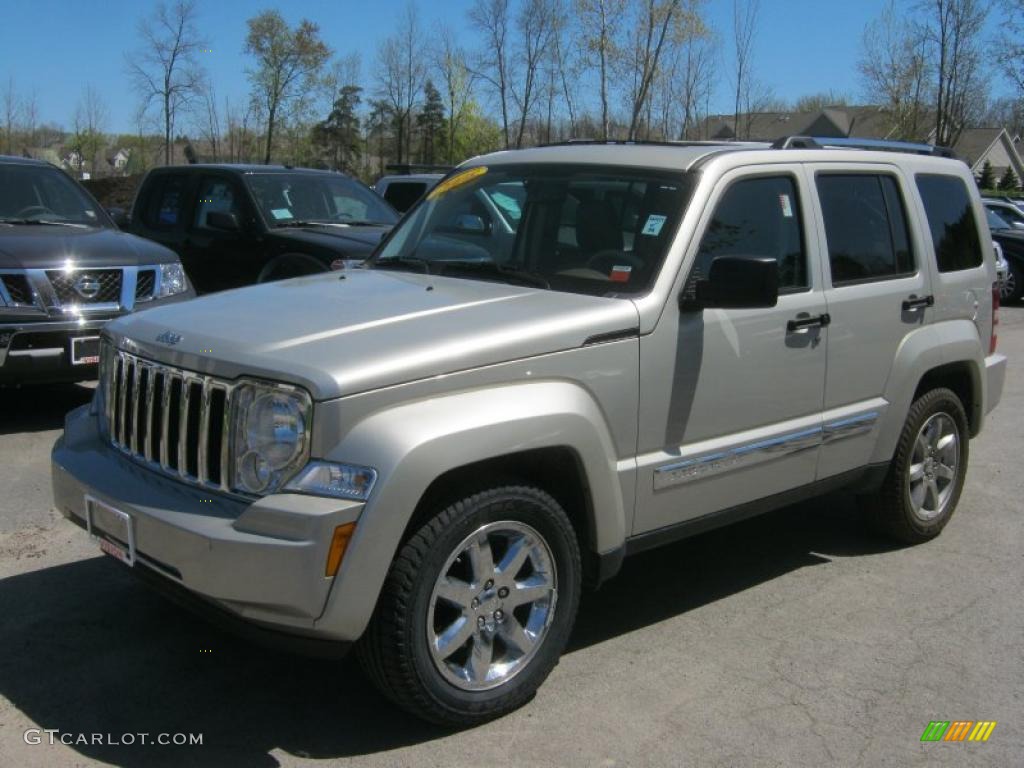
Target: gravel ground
[795,639]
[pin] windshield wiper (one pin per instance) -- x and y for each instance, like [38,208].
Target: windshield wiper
[43,222]
[411,263]
[491,268]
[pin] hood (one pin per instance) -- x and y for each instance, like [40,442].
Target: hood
[339,335]
[39,247]
[351,240]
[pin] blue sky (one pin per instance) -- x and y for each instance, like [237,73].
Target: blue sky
[56,47]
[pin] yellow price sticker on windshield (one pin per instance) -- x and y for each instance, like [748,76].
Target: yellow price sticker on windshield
[456,181]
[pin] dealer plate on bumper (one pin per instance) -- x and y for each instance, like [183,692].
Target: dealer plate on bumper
[112,528]
[85,350]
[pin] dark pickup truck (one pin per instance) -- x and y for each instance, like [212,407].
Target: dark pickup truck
[235,225]
[65,270]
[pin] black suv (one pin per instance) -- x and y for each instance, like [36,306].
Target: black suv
[234,225]
[65,270]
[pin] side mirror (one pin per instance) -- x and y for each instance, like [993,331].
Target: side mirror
[222,220]
[120,217]
[737,282]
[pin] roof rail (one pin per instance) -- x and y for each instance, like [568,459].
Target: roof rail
[878,145]
[410,168]
[639,143]
[796,142]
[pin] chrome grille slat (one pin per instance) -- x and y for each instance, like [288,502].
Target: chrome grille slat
[185,400]
[169,378]
[147,448]
[202,470]
[146,420]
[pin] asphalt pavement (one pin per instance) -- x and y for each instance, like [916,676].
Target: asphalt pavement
[794,639]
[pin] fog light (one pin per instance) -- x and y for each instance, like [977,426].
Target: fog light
[339,543]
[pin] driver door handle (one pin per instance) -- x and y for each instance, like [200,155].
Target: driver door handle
[802,322]
[914,303]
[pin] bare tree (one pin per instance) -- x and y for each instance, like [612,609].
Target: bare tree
[289,63]
[165,69]
[744,27]
[402,71]
[491,20]
[90,120]
[11,107]
[1011,43]
[600,24]
[954,31]
[30,118]
[457,81]
[535,26]
[895,70]
[655,20]
[208,120]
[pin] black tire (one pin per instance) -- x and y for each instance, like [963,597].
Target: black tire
[395,650]
[890,511]
[1010,292]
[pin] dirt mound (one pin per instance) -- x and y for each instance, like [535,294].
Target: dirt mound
[114,191]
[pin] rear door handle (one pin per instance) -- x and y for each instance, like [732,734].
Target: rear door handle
[808,322]
[914,303]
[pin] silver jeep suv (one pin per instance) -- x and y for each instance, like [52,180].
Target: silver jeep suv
[560,357]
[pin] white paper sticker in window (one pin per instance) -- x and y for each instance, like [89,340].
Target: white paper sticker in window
[787,206]
[281,213]
[653,226]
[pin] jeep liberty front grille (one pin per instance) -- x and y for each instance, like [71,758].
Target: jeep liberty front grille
[172,419]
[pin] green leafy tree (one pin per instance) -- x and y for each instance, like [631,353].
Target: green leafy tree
[338,136]
[431,123]
[1009,182]
[987,178]
[289,63]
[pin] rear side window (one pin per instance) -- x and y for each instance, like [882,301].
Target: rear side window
[757,218]
[947,204]
[865,226]
[164,210]
[403,194]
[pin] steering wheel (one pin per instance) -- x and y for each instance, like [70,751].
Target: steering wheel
[603,261]
[29,210]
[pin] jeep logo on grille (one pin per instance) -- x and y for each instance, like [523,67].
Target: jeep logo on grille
[169,338]
[87,286]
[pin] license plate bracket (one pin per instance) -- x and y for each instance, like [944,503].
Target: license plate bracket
[113,529]
[85,350]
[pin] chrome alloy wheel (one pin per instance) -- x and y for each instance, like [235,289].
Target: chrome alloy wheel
[492,605]
[932,475]
[1008,287]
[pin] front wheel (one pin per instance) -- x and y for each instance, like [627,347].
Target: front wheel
[477,607]
[923,485]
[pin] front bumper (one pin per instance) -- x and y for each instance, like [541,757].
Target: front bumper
[34,352]
[262,561]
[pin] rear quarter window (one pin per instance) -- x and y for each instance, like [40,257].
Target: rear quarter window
[165,206]
[947,204]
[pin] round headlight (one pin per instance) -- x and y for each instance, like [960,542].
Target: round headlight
[275,429]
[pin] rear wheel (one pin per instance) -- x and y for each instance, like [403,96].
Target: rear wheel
[477,607]
[926,477]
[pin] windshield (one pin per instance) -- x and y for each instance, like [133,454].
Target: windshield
[599,230]
[995,221]
[289,198]
[40,194]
